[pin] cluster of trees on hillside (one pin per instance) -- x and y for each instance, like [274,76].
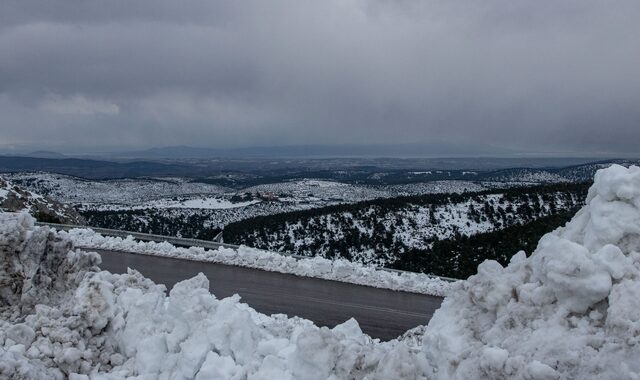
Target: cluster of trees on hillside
[394,232]
[154,222]
[234,231]
[459,257]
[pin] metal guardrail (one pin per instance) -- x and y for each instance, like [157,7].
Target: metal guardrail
[182,242]
[188,242]
[177,241]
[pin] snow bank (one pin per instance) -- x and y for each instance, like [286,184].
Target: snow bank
[336,270]
[62,318]
[570,310]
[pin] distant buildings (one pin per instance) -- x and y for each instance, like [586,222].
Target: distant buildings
[267,196]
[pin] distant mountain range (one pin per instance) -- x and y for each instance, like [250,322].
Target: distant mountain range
[45,154]
[312,151]
[242,172]
[93,169]
[432,150]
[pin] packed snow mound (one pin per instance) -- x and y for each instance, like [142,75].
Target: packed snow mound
[33,270]
[60,317]
[570,310]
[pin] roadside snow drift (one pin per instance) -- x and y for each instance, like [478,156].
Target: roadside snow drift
[569,311]
[317,267]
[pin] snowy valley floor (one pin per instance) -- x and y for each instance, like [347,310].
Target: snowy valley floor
[569,311]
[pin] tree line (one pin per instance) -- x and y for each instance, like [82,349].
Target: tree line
[154,221]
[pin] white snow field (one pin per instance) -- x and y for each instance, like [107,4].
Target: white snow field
[569,311]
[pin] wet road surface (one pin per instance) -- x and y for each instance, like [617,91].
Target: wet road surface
[381,313]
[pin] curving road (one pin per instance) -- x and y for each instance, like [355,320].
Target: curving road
[381,313]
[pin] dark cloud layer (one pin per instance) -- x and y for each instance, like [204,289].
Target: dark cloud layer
[523,75]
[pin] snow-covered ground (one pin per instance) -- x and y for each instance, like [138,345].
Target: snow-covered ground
[178,198]
[74,190]
[193,203]
[569,311]
[15,198]
[206,203]
[165,193]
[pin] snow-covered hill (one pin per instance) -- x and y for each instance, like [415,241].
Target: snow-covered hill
[15,198]
[380,232]
[569,311]
[143,193]
[122,192]
[175,206]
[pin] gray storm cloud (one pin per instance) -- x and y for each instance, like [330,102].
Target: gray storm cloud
[525,75]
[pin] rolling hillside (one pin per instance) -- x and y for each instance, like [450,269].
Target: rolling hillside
[15,198]
[385,230]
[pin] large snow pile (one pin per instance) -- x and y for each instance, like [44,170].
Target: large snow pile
[318,267]
[570,310]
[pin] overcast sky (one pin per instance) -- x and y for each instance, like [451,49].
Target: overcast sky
[531,75]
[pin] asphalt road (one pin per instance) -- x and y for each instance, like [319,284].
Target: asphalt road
[381,313]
